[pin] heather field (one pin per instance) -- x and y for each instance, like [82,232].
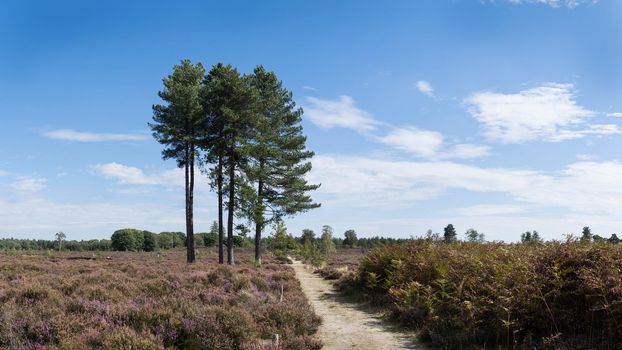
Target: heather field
[119,300]
[549,295]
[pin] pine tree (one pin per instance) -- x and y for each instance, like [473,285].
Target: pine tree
[279,158]
[449,235]
[178,126]
[586,234]
[229,101]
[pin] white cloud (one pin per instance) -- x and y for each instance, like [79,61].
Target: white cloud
[425,88]
[341,113]
[596,129]
[80,136]
[583,187]
[310,88]
[492,210]
[466,151]
[360,181]
[548,113]
[129,175]
[422,143]
[556,3]
[429,144]
[30,184]
[410,139]
[615,115]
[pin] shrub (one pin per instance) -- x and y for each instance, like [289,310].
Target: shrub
[125,338]
[556,295]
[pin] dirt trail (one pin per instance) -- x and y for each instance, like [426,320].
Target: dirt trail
[344,326]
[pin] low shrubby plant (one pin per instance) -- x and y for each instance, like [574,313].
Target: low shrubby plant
[544,295]
[148,301]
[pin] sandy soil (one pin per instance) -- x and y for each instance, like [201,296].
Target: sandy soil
[344,324]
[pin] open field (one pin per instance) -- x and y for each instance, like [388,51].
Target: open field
[546,295]
[150,301]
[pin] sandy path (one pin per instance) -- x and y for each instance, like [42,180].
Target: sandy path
[344,326]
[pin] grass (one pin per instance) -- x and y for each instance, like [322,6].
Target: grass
[150,301]
[549,296]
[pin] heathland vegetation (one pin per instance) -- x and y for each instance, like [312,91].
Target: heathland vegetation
[142,300]
[475,294]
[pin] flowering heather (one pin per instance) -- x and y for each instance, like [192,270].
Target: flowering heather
[150,301]
[466,295]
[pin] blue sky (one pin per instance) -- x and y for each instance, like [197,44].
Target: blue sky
[500,115]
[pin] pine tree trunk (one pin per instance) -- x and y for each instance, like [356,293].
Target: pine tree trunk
[190,228]
[231,209]
[189,254]
[259,221]
[221,255]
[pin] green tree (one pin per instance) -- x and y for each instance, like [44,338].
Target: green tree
[432,236]
[473,236]
[449,234]
[282,242]
[179,126]
[60,237]
[308,237]
[614,239]
[530,237]
[279,159]
[229,102]
[350,238]
[125,240]
[586,234]
[149,241]
[326,241]
[535,236]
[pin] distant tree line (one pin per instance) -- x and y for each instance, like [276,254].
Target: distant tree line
[124,240]
[42,244]
[280,241]
[245,133]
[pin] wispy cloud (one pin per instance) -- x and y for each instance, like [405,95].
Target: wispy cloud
[466,151]
[582,187]
[411,139]
[129,175]
[615,115]
[309,88]
[29,184]
[423,143]
[425,88]
[492,210]
[556,3]
[546,113]
[341,113]
[81,136]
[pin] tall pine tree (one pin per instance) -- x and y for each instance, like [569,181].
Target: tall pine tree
[229,101]
[279,159]
[178,125]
